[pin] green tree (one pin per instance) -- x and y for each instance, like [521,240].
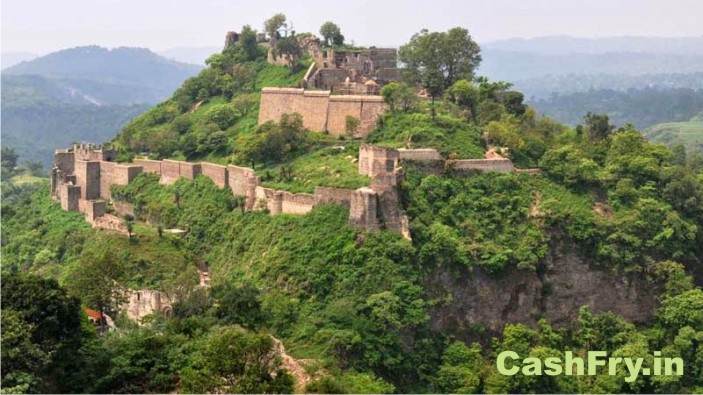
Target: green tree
[98,277]
[248,44]
[331,34]
[438,59]
[273,25]
[233,360]
[399,96]
[42,336]
[597,126]
[460,369]
[466,95]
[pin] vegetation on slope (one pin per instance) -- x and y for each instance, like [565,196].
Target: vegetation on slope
[688,134]
[354,304]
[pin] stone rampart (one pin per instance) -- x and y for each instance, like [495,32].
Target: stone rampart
[297,203]
[372,207]
[92,209]
[149,166]
[363,211]
[123,174]
[170,171]
[325,195]
[374,161]
[217,173]
[88,178]
[189,170]
[144,302]
[419,154]
[482,165]
[320,110]
[69,196]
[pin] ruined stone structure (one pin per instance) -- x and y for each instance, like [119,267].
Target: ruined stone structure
[342,71]
[82,177]
[361,71]
[143,302]
[321,111]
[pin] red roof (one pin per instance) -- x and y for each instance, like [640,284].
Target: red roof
[92,313]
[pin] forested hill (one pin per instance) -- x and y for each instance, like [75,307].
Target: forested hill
[600,250]
[91,69]
[81,94]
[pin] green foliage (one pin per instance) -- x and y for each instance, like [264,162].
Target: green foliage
[235,361]
[399,96]
[480,220]
[331,34]
[438,59]
[43,338]
[276,142]
[450,135]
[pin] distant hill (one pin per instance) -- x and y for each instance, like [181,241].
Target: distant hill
[8,59]
[112,76]
[81,94]
[641,107]
[543,66]
[560,45]
[688,133]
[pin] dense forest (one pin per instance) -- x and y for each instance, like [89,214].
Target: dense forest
[359,310]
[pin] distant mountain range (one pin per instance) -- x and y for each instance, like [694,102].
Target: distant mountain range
[81,94]
[562,45]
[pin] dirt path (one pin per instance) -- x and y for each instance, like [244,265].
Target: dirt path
[293,366]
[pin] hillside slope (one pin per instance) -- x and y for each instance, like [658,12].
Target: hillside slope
[601,249]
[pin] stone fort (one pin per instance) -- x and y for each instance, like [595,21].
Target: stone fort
[339,83]
[82,177]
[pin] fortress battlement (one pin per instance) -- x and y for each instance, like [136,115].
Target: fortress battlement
[82,178]
[321,111]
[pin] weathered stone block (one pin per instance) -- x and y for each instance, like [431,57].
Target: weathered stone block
[217,173]
[170,171]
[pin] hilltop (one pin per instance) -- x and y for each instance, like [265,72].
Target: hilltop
[432,254]
[81,94]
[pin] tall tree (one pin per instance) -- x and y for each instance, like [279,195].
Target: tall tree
[438,59]
[331,33]
[97,277]
[273,25]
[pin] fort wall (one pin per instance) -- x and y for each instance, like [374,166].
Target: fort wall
[88,178]
[419,154]
[321,111]
[143,302]
[149,166]
[217,173]
[483,165]
[297,203]
[325,195]
[170,171]
[87,189]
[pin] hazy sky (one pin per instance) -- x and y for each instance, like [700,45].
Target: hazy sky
[44,26]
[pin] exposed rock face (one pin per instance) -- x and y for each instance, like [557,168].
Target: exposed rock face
[565,282]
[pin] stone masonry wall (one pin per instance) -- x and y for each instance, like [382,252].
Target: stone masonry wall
[498,165]
[149,166]
[324,195]
[170,171]
[321,111]
[217,173]
[372,207]
[88,178]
